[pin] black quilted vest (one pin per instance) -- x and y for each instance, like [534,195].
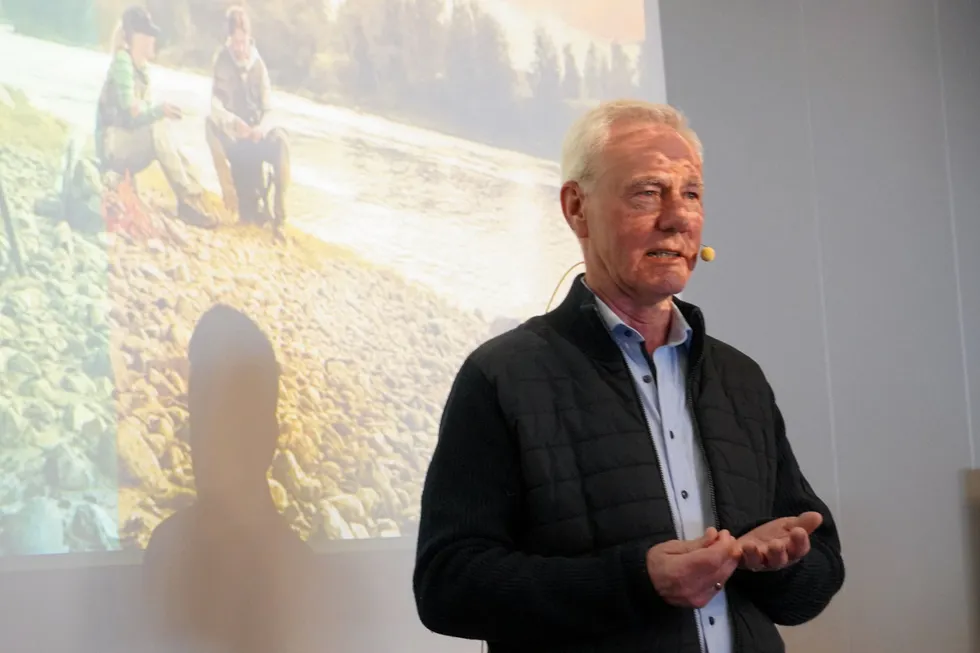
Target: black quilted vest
[591,475]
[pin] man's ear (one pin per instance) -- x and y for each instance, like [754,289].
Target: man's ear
[573,206]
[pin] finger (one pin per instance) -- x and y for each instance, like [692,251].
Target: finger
[752,556]
[709,538]
[725,537]
[808,521]
[678,547]
[799,538]
[729,563]
[707,560]
[727,548]
[799,545]
[776,556]
[735,550]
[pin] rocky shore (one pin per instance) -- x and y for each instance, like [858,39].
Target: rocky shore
[93,375]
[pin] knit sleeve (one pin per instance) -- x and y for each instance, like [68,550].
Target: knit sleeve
[138,111]
[799,593]
[472,579]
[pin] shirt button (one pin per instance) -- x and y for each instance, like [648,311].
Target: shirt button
[647,378]
[683,494]
[711,620]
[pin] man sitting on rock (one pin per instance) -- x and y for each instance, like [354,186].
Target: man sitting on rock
[239,130]
[131,131]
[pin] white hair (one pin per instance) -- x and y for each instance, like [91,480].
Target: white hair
[588,136]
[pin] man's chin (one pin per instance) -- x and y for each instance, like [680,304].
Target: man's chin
[664,287]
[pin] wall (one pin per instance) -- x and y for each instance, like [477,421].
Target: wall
[68,607]
[842,170]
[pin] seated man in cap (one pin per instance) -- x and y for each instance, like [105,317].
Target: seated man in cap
[240,131]
[131,130]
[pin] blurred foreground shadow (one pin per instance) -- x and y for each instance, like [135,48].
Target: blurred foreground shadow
[228,574]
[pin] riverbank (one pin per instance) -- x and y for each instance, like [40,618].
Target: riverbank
[93,349]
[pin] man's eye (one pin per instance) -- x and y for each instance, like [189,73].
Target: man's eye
[651,192]
[692,195]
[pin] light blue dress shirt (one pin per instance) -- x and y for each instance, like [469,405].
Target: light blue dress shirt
[663,394]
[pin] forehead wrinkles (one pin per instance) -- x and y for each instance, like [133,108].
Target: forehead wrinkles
[635,148]
[679,167]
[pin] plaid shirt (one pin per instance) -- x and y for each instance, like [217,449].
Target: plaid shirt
[125,100]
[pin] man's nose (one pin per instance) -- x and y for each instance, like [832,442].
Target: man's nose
[674,215]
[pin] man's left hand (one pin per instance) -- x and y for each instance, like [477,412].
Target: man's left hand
[255,134]
[780,543]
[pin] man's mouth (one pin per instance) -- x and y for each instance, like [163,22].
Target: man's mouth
[663,253]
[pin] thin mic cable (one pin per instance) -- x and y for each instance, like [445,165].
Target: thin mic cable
[560,282]
[707,255]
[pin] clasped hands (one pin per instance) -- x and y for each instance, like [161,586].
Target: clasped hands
[246,132]
[689,573]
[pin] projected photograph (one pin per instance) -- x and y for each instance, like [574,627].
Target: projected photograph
[372,182]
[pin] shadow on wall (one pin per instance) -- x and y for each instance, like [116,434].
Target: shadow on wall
[228,571]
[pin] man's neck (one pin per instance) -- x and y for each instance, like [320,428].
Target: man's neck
[247,505]
[650,319]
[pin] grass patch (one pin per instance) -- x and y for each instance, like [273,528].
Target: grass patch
[24,125]
[307,249]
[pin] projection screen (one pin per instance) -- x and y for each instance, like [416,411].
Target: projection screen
[422,218]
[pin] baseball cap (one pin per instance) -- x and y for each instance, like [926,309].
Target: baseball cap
[137,20]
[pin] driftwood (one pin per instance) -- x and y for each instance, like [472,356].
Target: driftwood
[8,223]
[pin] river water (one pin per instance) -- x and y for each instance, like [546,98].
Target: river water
[479,225]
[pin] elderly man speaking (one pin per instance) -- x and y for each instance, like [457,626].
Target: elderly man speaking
[609,477]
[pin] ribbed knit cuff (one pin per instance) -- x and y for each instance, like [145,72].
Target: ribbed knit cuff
[643,596]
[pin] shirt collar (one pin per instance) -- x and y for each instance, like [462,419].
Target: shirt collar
[679,332]
[253,56]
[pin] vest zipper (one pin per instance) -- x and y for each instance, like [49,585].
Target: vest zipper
[704,454]
[711,486]
[674,518]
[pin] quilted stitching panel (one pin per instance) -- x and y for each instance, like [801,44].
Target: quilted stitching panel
[591,474]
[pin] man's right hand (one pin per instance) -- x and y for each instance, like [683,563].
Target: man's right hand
[242,130]
[172,111]
[687,573]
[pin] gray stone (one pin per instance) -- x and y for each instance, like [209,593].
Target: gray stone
[93,529]
[37,529]
[21,363]
[68,470]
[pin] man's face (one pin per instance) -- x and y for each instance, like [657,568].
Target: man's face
[233,429]
[143,47]
[240,45]
[640,219]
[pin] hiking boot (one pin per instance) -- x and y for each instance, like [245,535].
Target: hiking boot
[193,211]
[230,199]
[278,232]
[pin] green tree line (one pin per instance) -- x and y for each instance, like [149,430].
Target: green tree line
[412,60]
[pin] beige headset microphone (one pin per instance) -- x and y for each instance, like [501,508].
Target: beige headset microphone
[707,255]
